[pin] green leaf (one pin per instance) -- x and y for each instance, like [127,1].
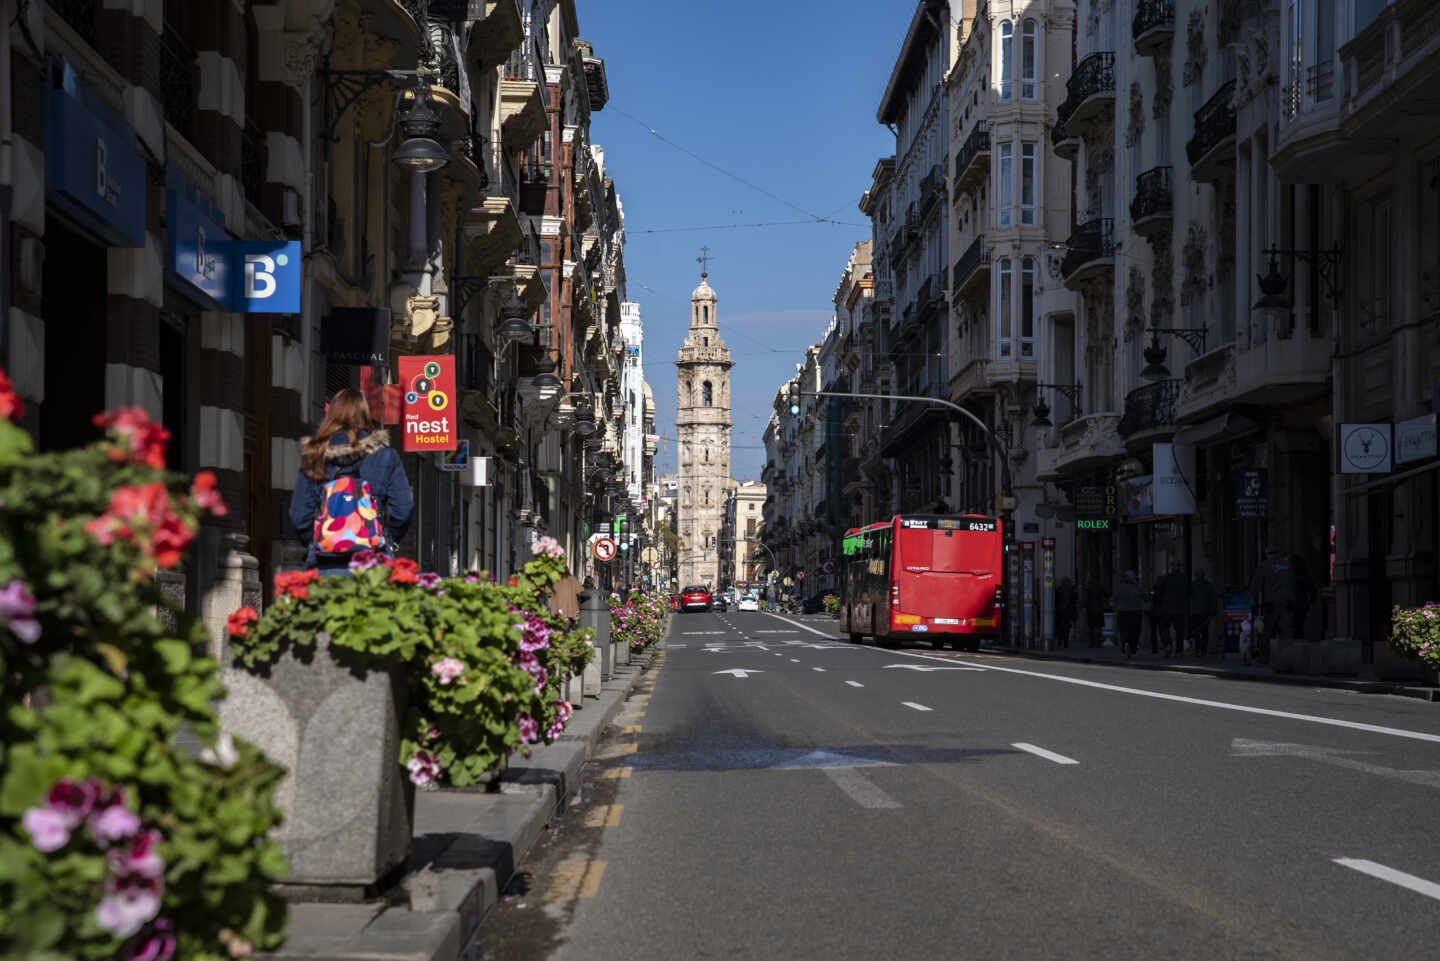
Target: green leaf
[175,654]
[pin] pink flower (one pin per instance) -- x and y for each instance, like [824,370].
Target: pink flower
[49,829]
[535,635]
[472,578]
[539,678]
[113,821]
[364,560]
[128,903]
[529,729]
[563,710]
[556,729]
[447,670]
[429,580]
[156,944]
[17,611]
[548,546]
[423,767]
[142,857]
[432,732]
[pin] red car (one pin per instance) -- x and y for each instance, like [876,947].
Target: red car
[696,598]
[674,602]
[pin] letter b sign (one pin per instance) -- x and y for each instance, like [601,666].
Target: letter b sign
[269,277]
[259,276]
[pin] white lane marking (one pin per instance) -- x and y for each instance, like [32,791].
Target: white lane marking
[1047,755]
[922,667]
[1243,747]
[702,633]
[778,654]
[674,647]
[854,683]
[861,789]
[794,660]
[916,707]
[1419,885]
[805,627]
[820,669]
[740,671]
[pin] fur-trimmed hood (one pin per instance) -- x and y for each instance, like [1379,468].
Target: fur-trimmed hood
[340,451]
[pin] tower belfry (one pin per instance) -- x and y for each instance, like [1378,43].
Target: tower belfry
[702,426]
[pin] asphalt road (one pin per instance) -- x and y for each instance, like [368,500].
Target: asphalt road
[830,800]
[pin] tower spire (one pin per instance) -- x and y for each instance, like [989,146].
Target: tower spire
[704,261]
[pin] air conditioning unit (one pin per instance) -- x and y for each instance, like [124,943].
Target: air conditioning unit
[478,473]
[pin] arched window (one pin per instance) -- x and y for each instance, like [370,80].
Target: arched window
[705,315]
[1007,58]
[1027,60]
[707,395]
[1004,302]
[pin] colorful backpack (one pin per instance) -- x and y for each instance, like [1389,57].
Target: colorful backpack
[348,519]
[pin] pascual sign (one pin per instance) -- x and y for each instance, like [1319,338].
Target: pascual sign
[427,413]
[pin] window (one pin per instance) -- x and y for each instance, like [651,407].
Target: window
[1027,61]
[705,315]
[1027,184]
[1029,295]
[1007,60]
[1003,300]
[1005,188]
[707,394]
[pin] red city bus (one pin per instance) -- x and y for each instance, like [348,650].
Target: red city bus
[925,574]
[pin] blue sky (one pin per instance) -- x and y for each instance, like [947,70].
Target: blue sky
[782,95]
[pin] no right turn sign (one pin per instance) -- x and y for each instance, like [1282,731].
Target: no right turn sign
[604,549]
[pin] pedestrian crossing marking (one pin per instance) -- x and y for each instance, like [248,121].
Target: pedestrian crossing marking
[575,879]
[630,729]
[630,716]
[614,773]
[604,816]
[618,750]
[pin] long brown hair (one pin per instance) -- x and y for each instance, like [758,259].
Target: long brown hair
[349,413]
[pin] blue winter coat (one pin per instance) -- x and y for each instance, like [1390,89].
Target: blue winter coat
[379,465]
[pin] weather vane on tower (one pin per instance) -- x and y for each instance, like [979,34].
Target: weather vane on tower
[704,261]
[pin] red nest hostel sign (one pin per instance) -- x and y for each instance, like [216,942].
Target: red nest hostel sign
[427,411]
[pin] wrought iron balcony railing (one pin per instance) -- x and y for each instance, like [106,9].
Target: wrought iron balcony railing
[977,143]
[1090,241]
[974,256]
[1150,14]
[252,162]
[1153,194]
[932,187]
[1093,75]
[1150,407]
[177,80]
[1213,123]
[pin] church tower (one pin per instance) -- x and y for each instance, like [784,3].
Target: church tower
[702,423]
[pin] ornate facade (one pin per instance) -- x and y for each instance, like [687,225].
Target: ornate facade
[702,425]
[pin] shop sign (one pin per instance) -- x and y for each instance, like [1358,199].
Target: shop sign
[1094,524]
[356,336]
[457,459]
[428,408]
[1139,501]
[245,276]
[1174,487]
[1415,439]
[1097,500]
[92,169]
[1252,495]
[1364,448]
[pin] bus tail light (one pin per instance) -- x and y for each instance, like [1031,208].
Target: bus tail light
[894,594]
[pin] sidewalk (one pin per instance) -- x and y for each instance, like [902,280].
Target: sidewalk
[467,843]
[1224,665]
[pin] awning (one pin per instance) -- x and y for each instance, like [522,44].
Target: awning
[1217,429]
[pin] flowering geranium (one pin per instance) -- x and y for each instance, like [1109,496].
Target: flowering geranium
[143,441]
[238,623]
[205,495]
[364,560]
[17,611]
[12,408]
[447,670]
[1415,632]
[144,515]
[404,571]
[423,767]
[294,583]
[548,546]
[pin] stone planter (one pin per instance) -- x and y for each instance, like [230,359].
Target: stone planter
[1392,666]
[334,724]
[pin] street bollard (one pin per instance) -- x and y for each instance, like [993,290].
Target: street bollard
[595,614]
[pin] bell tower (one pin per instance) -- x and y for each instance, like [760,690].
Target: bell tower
[702,425]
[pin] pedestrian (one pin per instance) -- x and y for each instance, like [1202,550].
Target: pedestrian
[1129,608]
[1173,610]
[589,582]
[1204,604]
[351,493]
[1094,610]
[565,597]
[1064,611]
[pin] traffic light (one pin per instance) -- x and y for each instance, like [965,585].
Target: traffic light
[794,400]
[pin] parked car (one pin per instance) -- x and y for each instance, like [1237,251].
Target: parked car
[696,598]
[748,603]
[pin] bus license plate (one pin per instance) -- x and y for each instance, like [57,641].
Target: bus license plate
[947,620]
[920,628]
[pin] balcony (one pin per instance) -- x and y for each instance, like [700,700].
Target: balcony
[1090,253]
[1090,92]
[1149,411]
[972,163]
[1212,149]
[1153,26]
[911,417]
[498,30]
[1086,443]
[477,384]
[1065,144]
[522,107]
[972,269]
[1270,373]
[492,226]
[932,189]
[1152,208]
[535,175]
[177,81]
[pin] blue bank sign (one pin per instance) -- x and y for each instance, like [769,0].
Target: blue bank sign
[246,276]
[92,169]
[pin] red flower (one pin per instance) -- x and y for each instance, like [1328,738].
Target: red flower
[142,514]
[11,406]
[205,496]
[238,624]
[512,582]
[404,571]
[146,438]
[292,583]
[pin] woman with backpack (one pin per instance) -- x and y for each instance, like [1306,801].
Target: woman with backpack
[351,494]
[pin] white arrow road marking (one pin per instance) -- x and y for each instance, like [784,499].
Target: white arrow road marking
[854,683]
[1047,755]
[916,707]
[861,789]
[820,669]
[794,660]
[1241,747]
[740,671]
[924,667]
[1421,886]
